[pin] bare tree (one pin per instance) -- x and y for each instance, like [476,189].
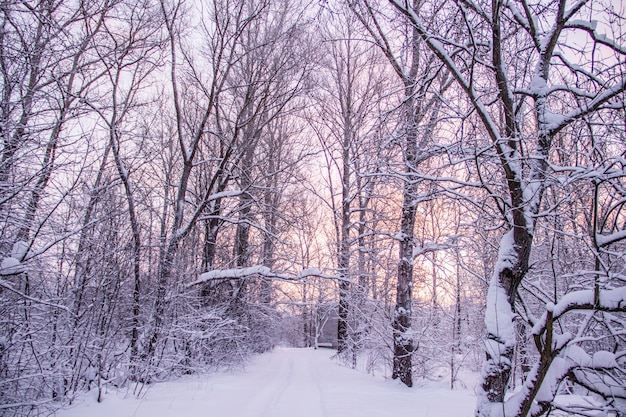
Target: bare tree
[499,85]
[129,58]
[50,67]
[253,79]
[345,120]
[420,75]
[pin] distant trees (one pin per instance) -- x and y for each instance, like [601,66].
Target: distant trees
[345,120]
[228,125]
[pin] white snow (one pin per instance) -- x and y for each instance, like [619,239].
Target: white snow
[553,120]
[507,256]
[604,359]
[607,240]
[577,356]
[259,270]
[11,266]
[309,272]
[613,299]
[233,273]
[498,316]
[284,383]
[225,194]
[538,85]
[19,250]
[532,199]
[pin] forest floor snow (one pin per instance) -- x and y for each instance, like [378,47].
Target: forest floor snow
[283,383]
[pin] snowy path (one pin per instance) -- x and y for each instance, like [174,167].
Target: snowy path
[284,383]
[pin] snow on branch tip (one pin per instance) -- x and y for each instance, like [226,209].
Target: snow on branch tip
[613,300]
[605,240]
[259,271]
[13,265]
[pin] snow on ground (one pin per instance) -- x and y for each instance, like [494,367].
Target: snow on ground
[283,383]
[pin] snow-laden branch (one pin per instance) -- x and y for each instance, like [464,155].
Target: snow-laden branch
[259,271]
[430,247]
[607,300]
[591,28]
[558,122]
[605,240]
[7,286]
[588,370]
[561,356]
[11,266]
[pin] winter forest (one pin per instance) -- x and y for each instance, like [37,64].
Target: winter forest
[187,183]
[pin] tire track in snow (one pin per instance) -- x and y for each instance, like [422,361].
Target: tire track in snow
[265,389]
[318,382]
[292,389]
[282,382]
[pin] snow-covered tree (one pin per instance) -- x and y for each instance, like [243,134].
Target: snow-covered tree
[422,79]
[532,72]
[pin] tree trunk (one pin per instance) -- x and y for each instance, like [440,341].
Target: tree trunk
[402,339]
[212,226]
[343,254]
[241,250]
